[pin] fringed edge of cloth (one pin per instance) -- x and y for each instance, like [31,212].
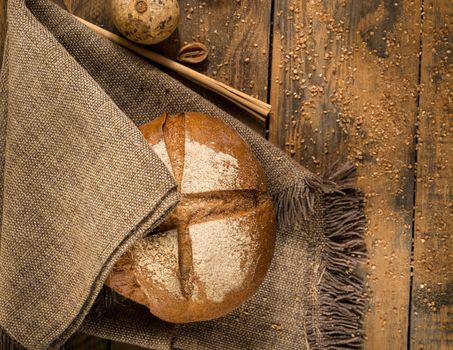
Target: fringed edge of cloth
[342,300]
[342,303]
[106,300]
[8,343]
[294,204]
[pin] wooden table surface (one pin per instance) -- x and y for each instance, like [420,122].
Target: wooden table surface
[365,81]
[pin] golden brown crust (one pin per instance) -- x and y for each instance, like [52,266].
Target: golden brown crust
[224,139]
[154,130]
[174,129]
[213,251]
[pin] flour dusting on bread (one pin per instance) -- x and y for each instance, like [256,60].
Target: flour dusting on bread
[208,170]
[156,257]
[161,150]
[219,250]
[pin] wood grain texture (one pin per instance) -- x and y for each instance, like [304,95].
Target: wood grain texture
[432,289]
[344,87]
[237,36]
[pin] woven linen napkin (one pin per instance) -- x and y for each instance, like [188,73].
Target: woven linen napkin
[80,185]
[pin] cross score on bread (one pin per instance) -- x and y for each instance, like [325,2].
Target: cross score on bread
[213,251]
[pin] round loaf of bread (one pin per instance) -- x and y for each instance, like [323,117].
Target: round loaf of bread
[213,251]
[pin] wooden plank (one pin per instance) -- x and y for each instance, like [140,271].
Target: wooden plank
[432,290]
[344,86]
[237,35]
[235,32]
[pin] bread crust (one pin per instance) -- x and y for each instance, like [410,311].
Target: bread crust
[213,251]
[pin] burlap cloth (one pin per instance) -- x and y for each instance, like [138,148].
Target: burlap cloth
[80,185]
